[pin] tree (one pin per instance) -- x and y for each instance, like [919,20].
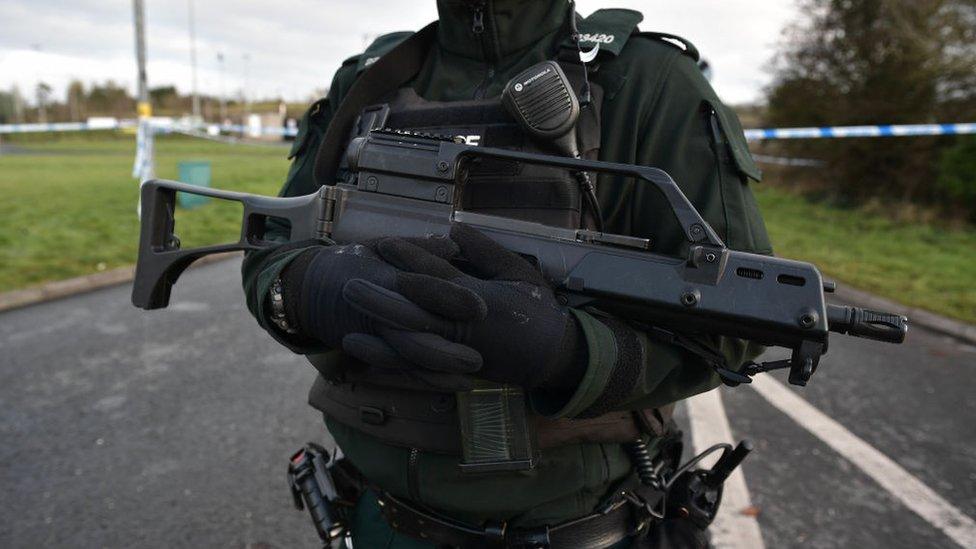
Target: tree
[7,108]
[957,175]
[853,62]
[164,96]
[110,99]
[75,98]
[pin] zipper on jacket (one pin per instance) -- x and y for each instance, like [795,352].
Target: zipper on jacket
[478,28]
[478,23]
[720,148]
[413,475]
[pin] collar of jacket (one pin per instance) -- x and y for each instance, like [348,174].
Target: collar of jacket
[506,26]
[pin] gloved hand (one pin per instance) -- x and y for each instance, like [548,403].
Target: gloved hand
[316,285]
[498,314]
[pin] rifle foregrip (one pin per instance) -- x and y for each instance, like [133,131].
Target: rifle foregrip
[866,323]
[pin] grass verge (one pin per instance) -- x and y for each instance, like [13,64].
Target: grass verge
[69,202]
[916,264]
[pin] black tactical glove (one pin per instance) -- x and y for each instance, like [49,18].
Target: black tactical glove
[315,285]
[498,314]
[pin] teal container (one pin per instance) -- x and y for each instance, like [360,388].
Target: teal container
[194,172]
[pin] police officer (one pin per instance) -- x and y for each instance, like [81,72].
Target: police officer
[597,385]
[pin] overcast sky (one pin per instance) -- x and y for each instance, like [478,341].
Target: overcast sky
[291,47]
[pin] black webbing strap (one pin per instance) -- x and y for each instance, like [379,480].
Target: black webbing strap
[387,74]
[625,517]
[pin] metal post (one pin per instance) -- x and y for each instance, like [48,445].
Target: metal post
[143,107]
[41,93]
[144,163]
[223,95]
[247,70]
[246,119]
[193,62]
[18,104]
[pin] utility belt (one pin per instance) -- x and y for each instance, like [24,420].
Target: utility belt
[328,488]
[428,421]
[627,514]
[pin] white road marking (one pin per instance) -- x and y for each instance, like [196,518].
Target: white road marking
[732,529]
[892,477]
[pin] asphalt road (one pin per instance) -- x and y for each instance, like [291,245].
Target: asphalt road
[120,428]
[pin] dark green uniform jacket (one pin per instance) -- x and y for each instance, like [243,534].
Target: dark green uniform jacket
[658,110]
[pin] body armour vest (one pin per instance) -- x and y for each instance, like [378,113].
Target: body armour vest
[516,190]
[411,416]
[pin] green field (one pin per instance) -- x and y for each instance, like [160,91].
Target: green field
[916,264]
[69,205]
[69,209]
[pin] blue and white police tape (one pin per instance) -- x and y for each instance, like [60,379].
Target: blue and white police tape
[829,132]
[890,130]
[158,126]
[143,167]
[111,124]
[215,130]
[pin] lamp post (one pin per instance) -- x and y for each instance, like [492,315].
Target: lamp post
[193,62]
[144,166]
[223,97]
[247,69]
[143,107]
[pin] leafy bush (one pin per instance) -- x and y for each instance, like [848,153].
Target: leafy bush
[957,175]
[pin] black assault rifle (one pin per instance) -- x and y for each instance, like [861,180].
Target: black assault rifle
[410,185]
